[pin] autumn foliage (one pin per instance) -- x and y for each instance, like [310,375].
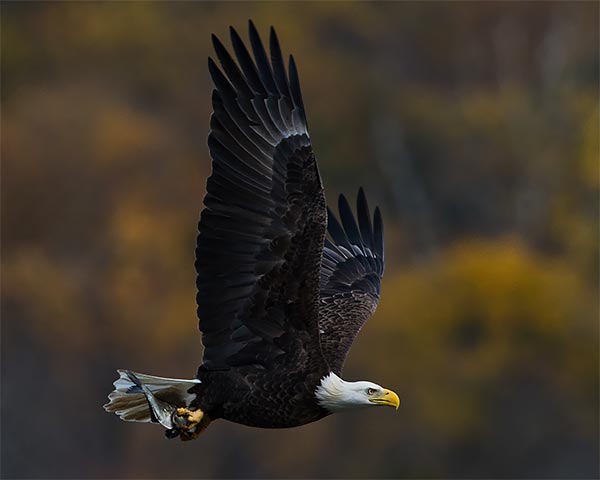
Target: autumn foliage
[473,125]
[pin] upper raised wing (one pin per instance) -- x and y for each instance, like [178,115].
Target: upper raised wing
[351,272]
[261,232]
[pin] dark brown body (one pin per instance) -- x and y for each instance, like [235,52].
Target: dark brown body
[259,397]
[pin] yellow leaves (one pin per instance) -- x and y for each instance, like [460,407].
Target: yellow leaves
[105,115]
[501,284]
[483,308]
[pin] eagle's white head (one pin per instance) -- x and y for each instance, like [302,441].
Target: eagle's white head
[337,395]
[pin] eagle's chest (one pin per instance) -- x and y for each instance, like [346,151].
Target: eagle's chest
[269,399]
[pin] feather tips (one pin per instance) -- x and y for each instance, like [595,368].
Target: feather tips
[355,252]
[351,272]
[260,150]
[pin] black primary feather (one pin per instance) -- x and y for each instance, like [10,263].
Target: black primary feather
[278,65]
[348,222]
[364,219]
[351,272]
[246,63]
[264,67]
[261,233]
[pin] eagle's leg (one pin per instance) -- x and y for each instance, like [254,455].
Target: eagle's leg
[190,423]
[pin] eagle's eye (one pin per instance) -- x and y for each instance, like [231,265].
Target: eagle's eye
[370,391]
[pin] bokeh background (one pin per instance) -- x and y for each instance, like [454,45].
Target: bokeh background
[473,125]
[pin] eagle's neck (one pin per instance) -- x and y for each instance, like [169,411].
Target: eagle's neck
[335,394]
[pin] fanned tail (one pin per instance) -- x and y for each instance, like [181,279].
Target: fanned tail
[138,397]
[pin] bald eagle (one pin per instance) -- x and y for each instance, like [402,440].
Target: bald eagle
[279,301]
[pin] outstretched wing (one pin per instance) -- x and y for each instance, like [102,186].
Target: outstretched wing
[261,234]
[351,271]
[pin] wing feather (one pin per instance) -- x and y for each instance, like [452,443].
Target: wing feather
[264,67]
[262,230]
[364,220]
[351,272]
[278,65]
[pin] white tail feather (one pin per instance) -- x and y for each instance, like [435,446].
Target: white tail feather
[131,405]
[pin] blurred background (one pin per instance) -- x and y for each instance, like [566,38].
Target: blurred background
[473,125]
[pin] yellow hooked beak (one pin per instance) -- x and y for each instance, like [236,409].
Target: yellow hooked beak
[387,398]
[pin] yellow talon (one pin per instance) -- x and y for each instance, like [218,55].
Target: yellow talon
[182,411]
[196,416]
[190,423]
